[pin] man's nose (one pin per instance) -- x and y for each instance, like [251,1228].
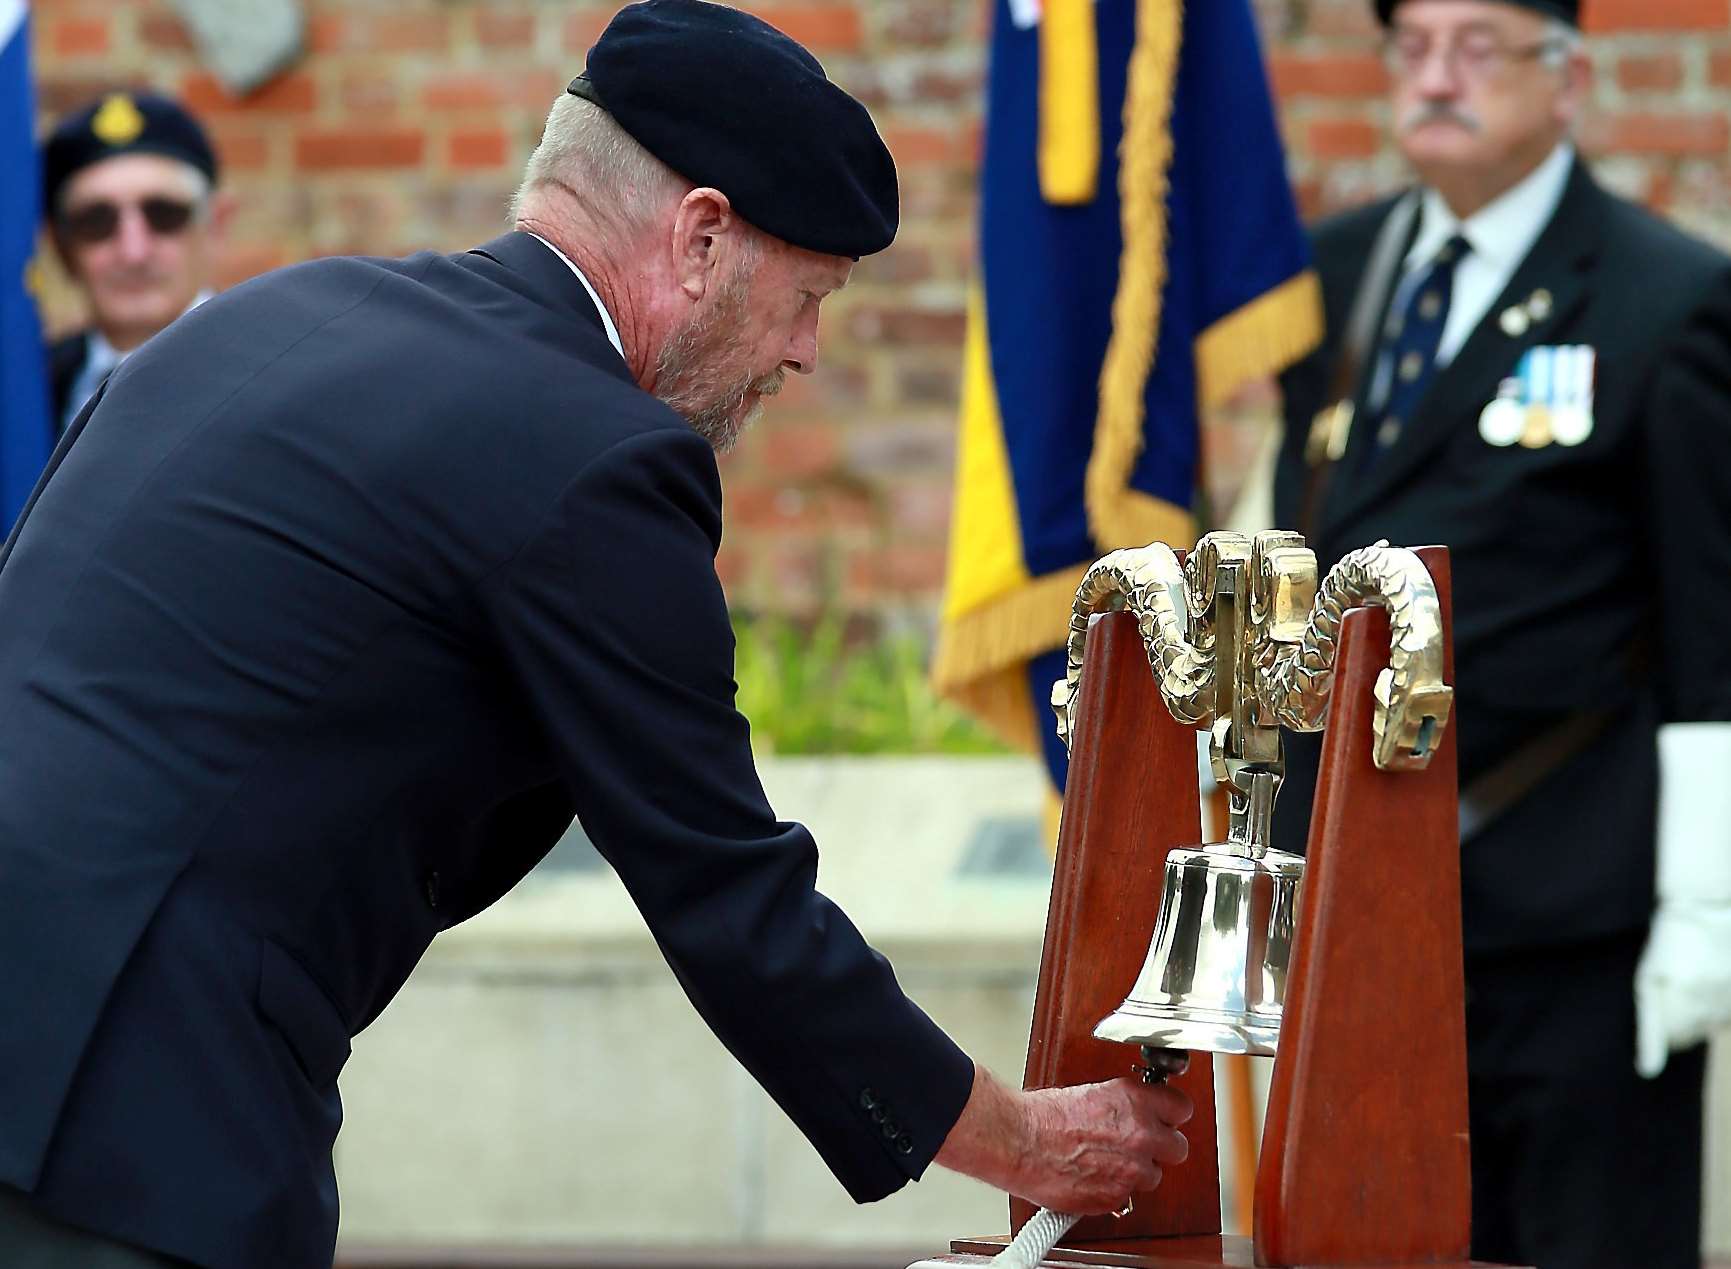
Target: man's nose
[801,353]
[1437,78]
[134,239]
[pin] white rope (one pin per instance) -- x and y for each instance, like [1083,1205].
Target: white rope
[1031,1247]
[1036,1240]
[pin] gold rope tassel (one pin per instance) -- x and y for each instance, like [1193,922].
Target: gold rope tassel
[1117,514]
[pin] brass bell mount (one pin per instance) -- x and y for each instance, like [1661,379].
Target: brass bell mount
[1241,641]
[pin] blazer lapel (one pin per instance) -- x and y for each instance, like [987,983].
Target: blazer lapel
[1558,263]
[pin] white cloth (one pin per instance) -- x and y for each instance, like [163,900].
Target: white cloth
[1683,983]
[100,357]
[1500,233]
[606,317]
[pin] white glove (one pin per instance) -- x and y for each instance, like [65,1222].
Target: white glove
[1683,982]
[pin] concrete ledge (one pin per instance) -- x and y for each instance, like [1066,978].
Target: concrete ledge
[589,1258]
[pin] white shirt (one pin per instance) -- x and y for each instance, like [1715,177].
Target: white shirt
[606,317]
[100,357]
[1500,234]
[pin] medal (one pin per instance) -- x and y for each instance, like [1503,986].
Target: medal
[1517,319]
[1547,401]
[1504,419]
[1539,364]
[1572,417]
[1536,434]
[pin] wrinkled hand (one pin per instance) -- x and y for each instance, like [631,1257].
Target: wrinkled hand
[1082,1150]
[1097,1144]
[1683,983]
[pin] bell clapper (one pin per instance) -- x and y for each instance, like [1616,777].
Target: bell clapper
[1159,1065]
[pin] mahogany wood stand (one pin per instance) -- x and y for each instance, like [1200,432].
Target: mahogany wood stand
[1364,1151]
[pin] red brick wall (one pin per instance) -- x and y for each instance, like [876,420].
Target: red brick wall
[405,124]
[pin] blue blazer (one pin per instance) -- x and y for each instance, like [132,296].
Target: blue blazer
[337,603]
[1586,577]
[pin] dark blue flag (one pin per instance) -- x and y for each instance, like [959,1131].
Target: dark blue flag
[26,434]
[1141,257]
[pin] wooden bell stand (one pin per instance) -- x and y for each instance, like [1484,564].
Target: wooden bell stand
[1364,1150]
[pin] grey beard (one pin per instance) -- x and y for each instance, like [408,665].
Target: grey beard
[692,360]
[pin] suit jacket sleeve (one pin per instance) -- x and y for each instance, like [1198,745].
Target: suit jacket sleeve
[613,621]
[1688,431]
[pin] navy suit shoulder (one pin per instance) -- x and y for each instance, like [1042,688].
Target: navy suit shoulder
[1661,271]
[353,587]
[1674,253]
[1341,240]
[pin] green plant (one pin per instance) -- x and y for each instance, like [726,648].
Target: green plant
[810,689]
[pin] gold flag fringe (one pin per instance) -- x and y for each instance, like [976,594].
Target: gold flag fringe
[1260,338]
[980,653]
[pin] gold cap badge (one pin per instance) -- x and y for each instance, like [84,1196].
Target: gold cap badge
[118,121]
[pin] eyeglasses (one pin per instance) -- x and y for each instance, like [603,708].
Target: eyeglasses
[99,221]
[1477,56]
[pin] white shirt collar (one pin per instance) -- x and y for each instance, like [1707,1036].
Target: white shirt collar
[100,356]
[1504,229]
[606,317]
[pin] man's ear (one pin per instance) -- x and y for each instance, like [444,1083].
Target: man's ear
[221,214]
[703,216]
[1577,93]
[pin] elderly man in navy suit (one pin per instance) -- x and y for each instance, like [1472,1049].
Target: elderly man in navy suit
[351,588]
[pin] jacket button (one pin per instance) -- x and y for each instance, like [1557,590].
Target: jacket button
[905,1144]
[878,1115]
[868,1099]
[432,889]
[891,1129]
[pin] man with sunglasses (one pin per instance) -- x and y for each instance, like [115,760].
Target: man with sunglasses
[129,190]
[1537,373]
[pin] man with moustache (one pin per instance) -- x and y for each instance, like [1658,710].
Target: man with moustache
[129,191]
[1538,374]
[352,588]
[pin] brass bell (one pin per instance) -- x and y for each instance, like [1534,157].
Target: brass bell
[1215,976]
[1241,641]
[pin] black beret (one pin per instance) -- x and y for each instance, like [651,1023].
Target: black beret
[1568,10]
[728,101]
[122,123]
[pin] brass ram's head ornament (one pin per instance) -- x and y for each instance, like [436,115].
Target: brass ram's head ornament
[1242,642]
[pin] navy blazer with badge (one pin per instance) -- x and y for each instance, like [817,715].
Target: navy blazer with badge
[341,598]
[1589,576]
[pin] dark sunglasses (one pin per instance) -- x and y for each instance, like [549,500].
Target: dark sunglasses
[100,221]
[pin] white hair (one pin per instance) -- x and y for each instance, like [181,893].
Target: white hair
[1563,40]
[585,152]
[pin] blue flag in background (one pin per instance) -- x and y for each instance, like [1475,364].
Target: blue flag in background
[26,436]
[1141,257]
